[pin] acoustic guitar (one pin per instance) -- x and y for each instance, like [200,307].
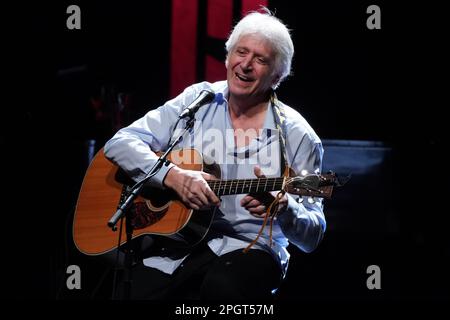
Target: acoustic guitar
[161,212]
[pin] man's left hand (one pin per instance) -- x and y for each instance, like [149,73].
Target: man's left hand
[257,204]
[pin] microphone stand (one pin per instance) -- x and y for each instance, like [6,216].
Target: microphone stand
[124,208]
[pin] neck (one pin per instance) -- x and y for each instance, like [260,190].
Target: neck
[246,109]
[250,112]
[240,186]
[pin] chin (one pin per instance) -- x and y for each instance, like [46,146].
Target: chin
[240,92]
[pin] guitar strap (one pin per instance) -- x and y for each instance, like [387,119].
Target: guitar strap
[272,210]
[280,124]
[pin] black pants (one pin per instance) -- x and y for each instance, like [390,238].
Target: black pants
[203,275]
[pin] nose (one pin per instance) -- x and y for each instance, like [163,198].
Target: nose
[246,63]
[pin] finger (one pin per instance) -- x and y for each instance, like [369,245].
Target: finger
[193,197]
[245,200]
[201,196]
[253,204]
[193,206]
[257,215]
[259,209]
[194,200]
[212,197]
[258,172]
[208,176]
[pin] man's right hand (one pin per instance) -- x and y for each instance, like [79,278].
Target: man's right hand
[192,187]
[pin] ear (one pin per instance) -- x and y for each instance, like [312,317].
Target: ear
[275,80]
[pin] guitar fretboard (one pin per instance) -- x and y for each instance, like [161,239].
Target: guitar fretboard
[238,186]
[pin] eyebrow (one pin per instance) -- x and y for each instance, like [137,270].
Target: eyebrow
[266,57]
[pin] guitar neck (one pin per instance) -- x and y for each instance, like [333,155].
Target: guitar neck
[239,186]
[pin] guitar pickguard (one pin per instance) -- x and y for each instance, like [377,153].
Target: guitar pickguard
[150,207]
[143,216]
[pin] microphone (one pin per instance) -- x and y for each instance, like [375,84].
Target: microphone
[204,97]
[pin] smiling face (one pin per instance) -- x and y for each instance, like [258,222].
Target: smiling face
[250,69]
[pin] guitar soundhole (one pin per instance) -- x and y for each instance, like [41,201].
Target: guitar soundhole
[142,216]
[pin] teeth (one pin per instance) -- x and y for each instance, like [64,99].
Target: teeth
[243,78]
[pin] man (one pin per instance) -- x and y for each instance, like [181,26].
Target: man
[249,133]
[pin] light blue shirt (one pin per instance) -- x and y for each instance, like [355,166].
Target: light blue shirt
[302,223]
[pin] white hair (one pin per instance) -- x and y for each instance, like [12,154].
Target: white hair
[274,31]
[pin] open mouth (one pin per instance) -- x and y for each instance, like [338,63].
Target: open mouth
[243,78]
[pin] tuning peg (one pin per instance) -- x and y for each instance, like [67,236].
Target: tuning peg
[300,199]
[304,172]
[311,200]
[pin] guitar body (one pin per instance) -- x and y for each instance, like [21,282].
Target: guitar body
[155,211]
[160,212]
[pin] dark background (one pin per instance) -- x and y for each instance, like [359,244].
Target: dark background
[378,87]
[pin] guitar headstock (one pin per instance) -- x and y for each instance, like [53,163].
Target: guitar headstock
[312,185]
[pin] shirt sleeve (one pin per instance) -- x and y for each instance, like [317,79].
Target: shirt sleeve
[133,148]
[302,222]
